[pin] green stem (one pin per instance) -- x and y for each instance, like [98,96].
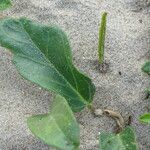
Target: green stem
[102,32]
[91,108]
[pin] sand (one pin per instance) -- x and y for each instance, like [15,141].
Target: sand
[127,48]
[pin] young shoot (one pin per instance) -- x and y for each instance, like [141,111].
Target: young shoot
[101,44]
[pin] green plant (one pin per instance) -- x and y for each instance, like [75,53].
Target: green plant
[42,54]
[124,140]
[146,117]
[57,128]
[101,44]
[4,4]
[46,61]
[146,67]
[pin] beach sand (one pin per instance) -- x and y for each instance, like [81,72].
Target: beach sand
[121,88]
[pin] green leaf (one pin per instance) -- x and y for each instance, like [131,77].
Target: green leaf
[4,4]
[59,128]
[146,67]
[42,54]
[145,118]
[148,90]
[102,32]
[123,141]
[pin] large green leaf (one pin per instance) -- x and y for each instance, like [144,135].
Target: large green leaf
[42,54]
[122,141]
[145,118]
[146,67]
[59,128]
[4,4]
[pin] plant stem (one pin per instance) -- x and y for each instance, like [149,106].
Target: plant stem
[91,108]
[102,32]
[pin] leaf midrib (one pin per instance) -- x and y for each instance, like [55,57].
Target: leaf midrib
[61,130]
[51,113]
[69,65]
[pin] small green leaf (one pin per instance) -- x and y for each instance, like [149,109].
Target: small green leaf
[148,90]
[4,4]
[145,118]
[101,44]
[148,93]
[42,54]
[59,128]
[123,141]
[146,67]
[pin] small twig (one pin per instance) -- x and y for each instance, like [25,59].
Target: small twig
[110,113]
[117,116]
[114,114]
